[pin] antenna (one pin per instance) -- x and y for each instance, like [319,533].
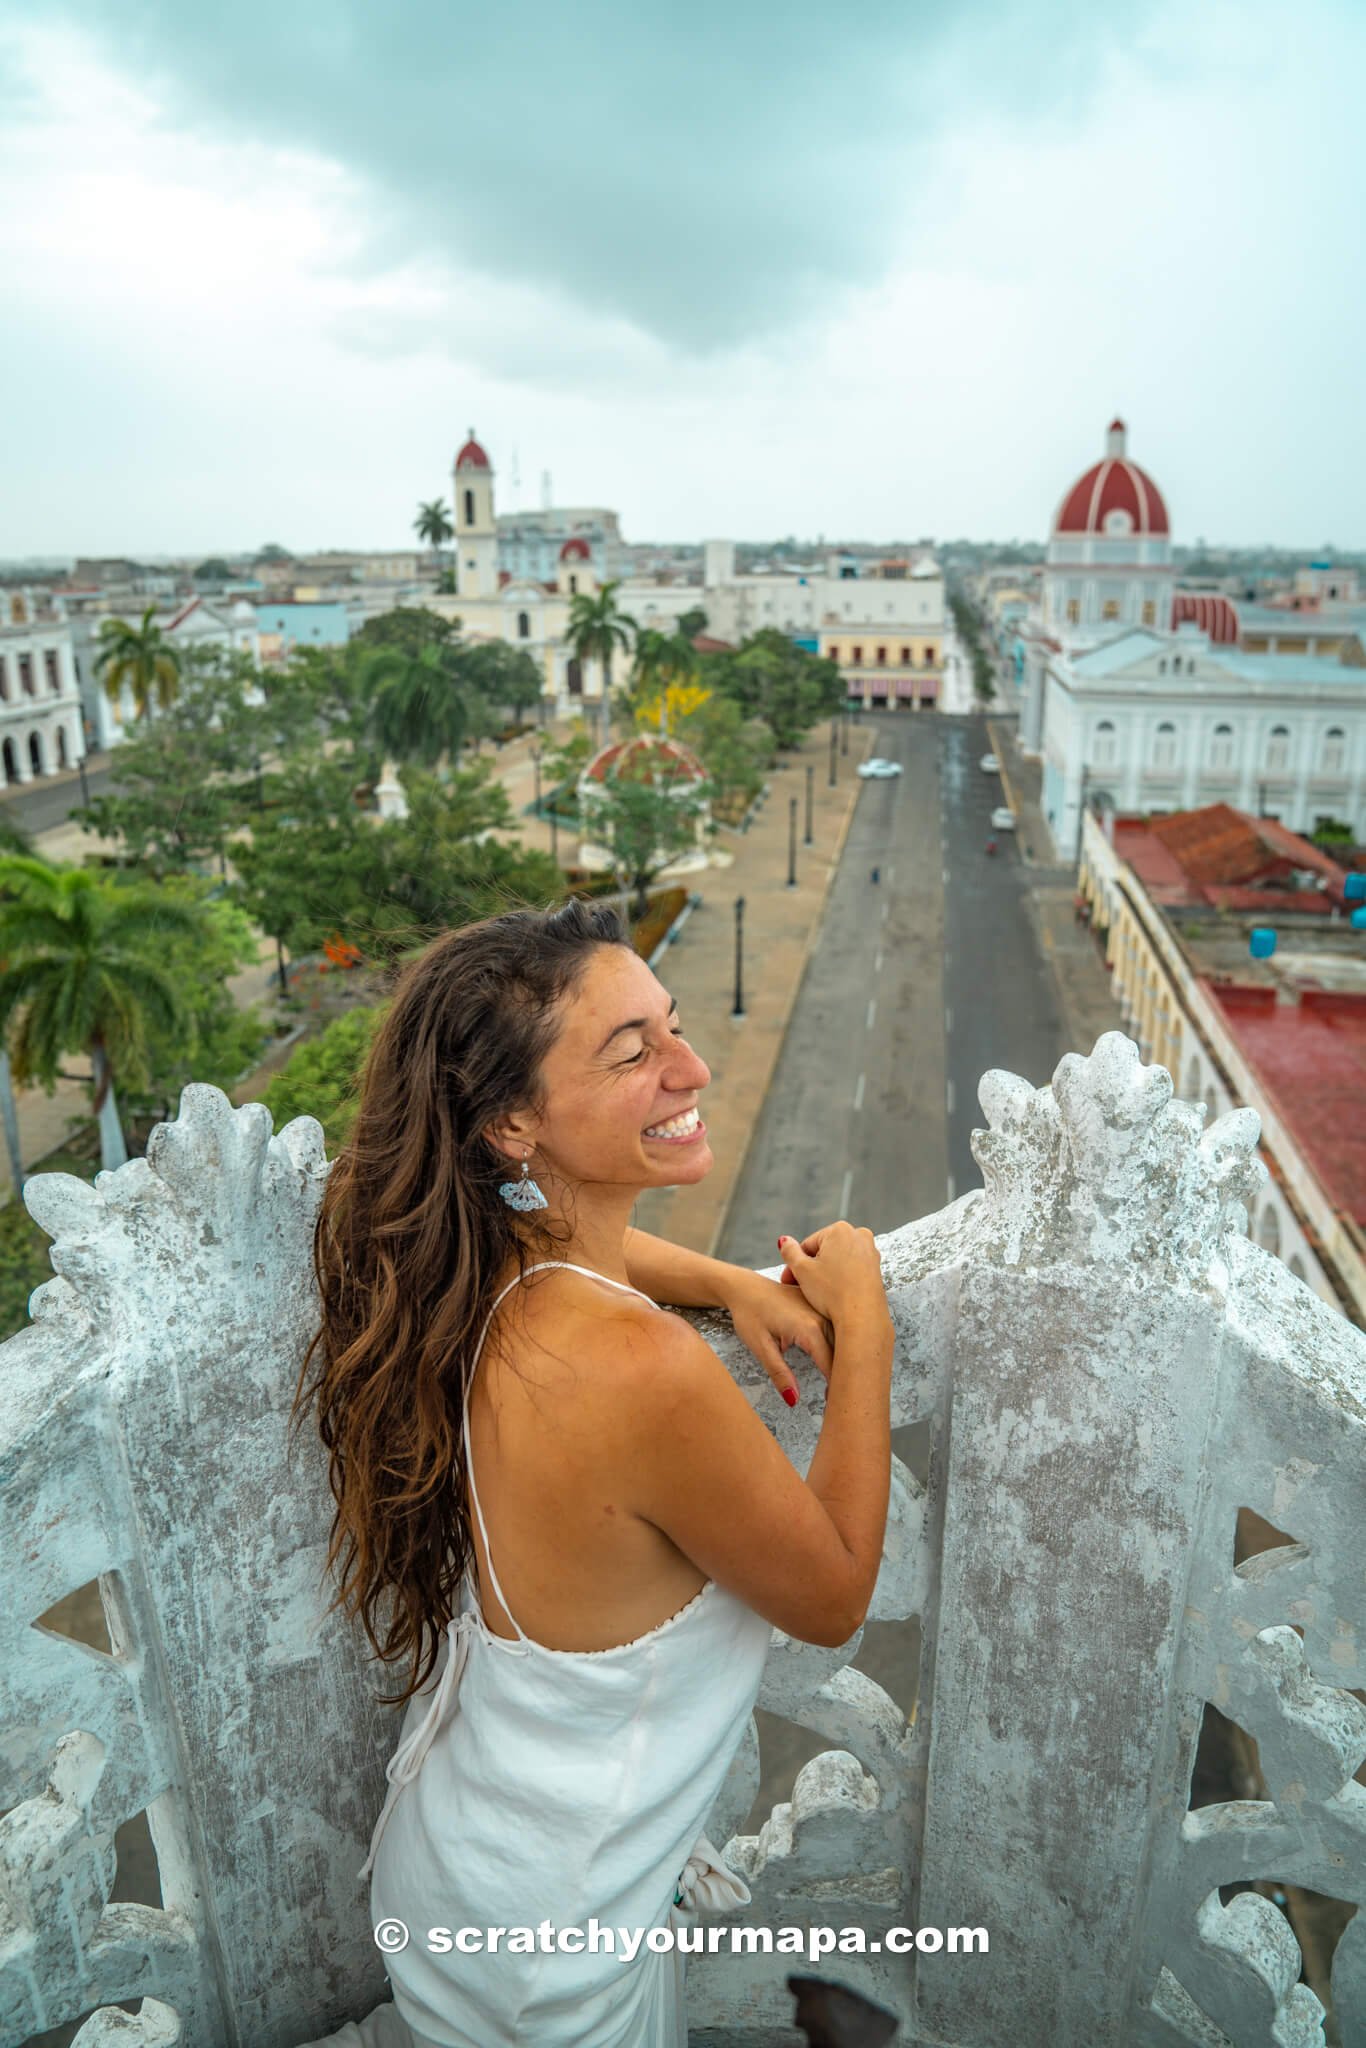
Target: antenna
[546,499]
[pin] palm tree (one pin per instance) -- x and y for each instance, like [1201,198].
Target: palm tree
[433,524]
[417,708]
[140,656]
[596,630]
[79,977]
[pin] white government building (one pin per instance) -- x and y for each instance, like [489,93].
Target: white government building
[1137,706]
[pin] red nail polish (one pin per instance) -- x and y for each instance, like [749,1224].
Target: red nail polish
[790,1396]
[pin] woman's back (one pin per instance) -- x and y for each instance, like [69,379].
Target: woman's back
[583,1569]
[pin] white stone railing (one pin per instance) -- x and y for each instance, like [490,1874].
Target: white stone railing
[1108,1369]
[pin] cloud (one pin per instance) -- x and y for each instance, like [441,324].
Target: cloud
[707,174]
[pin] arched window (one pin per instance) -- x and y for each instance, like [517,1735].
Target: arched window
[1176,664]
[1278,749]
[1164,746]
[1221,747]
[1333,751]
[469,508]
[1103,752]
[1193,1080]
[1162,666]
[523,625]
[573,586]
[4,680]
[1269,1231]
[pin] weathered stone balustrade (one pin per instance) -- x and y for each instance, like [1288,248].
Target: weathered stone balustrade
[1109,1369]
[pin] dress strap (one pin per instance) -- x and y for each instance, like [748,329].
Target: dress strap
[541,1265]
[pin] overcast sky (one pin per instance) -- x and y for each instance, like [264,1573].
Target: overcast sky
[747,269]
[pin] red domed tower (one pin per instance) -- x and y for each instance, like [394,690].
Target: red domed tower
[1109,565]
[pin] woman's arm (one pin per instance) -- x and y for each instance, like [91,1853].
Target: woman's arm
[675,1277]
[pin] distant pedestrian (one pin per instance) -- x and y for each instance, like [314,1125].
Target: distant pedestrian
[876,875]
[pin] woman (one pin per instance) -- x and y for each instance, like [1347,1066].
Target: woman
[554,1490]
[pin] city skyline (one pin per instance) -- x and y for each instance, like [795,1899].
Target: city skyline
[727,280]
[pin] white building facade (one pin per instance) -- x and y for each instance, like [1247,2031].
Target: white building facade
[41,729]
[1155,722]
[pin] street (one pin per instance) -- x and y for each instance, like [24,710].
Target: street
[917,984]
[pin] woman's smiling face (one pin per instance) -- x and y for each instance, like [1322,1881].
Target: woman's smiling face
[620,1068]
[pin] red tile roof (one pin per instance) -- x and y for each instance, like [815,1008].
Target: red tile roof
[1225,858]
[1310,1057]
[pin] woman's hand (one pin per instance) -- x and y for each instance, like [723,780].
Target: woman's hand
[768,1317]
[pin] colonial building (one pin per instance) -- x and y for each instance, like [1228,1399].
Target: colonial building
[882,622]
[1153,700]
[40,705]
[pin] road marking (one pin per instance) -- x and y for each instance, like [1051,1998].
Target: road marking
[844,1192]
[952,1196]
[872,1012]
[950,1096]
[948,1020]
[858,1093]
[877,961]
[885,909]
[945,878]
[891,874]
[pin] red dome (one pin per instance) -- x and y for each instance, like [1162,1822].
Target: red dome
[472,456]
[576,551]
[1114,485]
[680,763]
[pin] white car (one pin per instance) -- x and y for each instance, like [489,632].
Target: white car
[876,766]
[990,763]
[1003,819]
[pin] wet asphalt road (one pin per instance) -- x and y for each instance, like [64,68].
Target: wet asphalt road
[919,982]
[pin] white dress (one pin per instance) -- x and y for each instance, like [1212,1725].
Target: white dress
[559,1785]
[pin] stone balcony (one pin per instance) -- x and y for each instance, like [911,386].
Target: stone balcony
[1108,1372]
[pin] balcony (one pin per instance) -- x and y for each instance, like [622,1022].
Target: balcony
[1108,1371]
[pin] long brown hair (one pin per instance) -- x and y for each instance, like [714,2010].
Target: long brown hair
[410,1238]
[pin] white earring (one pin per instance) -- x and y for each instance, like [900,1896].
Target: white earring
[523,1193]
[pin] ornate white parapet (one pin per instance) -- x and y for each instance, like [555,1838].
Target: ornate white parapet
[1108,1369]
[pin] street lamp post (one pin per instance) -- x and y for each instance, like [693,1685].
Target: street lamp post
[844,734]
[792,842]
[834,734]
[810,772]
[85,787]
[739,1007]
[536,758]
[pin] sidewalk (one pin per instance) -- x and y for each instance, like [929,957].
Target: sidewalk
[1079,973]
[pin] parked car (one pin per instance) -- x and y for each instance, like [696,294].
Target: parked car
[990,763]
[1003,819]
[876,766]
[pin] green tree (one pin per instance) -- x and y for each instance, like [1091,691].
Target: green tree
[433,524]
[139,657]
[82,975]
[216,1041]
[692,623]
[503,677]
[214,570]
[644,815]
[409,627]
[772,679]
[180,787]
[322,1078]
[597,628]
[418,708]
